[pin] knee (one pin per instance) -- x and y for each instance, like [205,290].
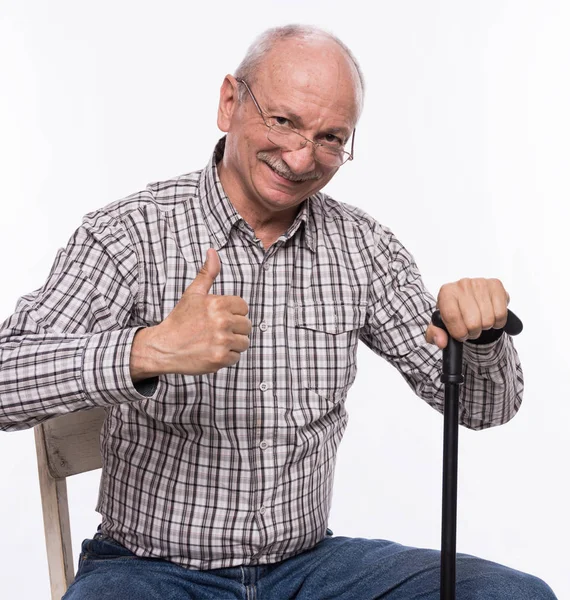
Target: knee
[484,580]
[533,588]
[511,584]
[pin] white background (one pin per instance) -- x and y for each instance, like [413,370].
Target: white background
[463,150]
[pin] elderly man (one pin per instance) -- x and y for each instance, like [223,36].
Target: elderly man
[216,318]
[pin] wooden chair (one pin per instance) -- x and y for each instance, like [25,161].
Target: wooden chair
[65,446]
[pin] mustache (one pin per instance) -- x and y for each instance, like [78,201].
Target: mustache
[281,168]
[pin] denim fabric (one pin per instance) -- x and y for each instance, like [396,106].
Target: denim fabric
[337,568]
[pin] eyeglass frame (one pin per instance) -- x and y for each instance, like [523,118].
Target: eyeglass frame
[350,154]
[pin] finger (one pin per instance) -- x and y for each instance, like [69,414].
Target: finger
[239,343]
[452,316]
[233,358]
[482,292]
[471,315]
[236,305]
[500,301]
[241,325]
[436,336]
[209,271]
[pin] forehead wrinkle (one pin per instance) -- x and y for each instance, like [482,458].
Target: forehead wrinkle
[310,81]
[331,96]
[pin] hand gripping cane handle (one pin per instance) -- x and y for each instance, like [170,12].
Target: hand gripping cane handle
[513,325]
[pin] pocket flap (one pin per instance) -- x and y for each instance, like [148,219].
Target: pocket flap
[330,318]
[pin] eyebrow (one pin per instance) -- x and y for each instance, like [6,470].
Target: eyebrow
[342,130]
[286,113]
[346,132]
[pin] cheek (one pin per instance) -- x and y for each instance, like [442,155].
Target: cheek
[327,175]
[251,146]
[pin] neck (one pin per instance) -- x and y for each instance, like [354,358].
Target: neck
[268,225]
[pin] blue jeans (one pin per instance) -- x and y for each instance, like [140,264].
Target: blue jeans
[337,568]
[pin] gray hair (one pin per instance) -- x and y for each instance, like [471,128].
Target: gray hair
[265,42]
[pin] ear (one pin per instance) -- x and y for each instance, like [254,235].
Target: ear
[228,102]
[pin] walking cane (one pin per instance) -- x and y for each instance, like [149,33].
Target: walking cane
[452,377]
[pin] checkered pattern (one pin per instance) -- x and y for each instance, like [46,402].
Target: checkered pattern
[234,467]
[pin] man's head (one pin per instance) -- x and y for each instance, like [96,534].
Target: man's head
[299,78]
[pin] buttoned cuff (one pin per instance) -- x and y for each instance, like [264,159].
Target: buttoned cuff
[106,370]
[486,355]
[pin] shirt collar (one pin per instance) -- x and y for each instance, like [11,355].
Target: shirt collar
[220,215]
[306,218]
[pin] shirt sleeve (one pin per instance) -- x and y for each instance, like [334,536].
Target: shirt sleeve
[399,312]
[67,346]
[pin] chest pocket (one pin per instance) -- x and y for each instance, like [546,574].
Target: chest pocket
[322,347]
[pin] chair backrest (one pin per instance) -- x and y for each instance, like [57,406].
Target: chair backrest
[65,446]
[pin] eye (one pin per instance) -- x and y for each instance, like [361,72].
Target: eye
[332,140]
[282,122]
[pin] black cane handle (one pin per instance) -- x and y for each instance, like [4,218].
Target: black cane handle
[513,325]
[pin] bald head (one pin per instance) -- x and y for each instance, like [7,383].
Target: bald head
[298,51]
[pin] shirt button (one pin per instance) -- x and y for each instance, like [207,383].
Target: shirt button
[262,510]
[263,326]
[263,445]
[263,386]
[266,266]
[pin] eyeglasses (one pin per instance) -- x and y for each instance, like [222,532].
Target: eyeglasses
[329,152]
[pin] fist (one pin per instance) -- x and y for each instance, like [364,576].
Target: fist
[467,307]
[203,334]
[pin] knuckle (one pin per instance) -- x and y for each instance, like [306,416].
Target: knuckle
[473,327]
[460,332]
[501,315]
[213,304]
[451,315]
[500,320]
[221,357]
[221,321]
[444,290]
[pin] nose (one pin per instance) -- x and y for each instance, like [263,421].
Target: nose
[300,161]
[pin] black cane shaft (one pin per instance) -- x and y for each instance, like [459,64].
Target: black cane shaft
[449,495]
[452,377]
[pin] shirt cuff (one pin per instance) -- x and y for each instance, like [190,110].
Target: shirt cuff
[106,370]
[486,355]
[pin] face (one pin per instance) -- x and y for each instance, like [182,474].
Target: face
[311,86]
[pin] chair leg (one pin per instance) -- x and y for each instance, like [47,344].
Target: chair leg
[56,522]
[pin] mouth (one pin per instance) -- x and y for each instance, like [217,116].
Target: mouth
[282,179]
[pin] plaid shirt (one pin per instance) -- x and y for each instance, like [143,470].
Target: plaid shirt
[234,467]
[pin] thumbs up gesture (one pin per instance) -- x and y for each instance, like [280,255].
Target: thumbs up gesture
[202,334]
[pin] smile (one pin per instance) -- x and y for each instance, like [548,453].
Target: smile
[281,178]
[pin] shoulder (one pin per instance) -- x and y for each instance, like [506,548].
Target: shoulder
[342,225]
[155,203]
[330,213]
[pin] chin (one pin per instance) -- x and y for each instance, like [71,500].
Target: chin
[281,201]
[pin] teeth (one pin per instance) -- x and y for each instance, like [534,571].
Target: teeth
[282,175]
[287,177]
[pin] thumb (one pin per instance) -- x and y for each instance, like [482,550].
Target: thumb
[436,336]
[209,271]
